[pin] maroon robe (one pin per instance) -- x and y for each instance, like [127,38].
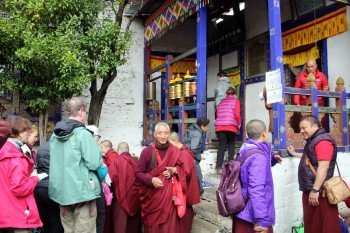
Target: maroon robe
[109,157]
[191,188]
[158,210]
[108,226]
[126,208]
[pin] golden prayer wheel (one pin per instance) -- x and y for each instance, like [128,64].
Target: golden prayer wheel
[193,88]
[178,91]
[186,89]
[172,92]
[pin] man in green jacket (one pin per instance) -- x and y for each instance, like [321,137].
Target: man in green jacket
[75,157]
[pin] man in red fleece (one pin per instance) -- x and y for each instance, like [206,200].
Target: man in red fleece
[321,82]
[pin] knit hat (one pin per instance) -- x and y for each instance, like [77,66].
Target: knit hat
[5,131]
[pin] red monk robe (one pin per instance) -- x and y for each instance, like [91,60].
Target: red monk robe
[158,210]
[108,160]
[126,207]
[191,188]
[109,157]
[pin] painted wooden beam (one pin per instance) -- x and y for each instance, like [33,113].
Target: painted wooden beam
[276,59]
[201,110]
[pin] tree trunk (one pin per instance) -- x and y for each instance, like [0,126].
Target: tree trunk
[43,119]
[97,98]
[95,108]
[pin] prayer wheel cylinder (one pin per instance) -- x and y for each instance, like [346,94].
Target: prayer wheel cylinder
[172,92]
[186,89]
[178,91]
[193,88]
[151,91]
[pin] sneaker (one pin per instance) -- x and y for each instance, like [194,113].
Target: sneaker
[206,185]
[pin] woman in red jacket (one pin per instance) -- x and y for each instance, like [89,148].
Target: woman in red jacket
[227,123]
[18,210]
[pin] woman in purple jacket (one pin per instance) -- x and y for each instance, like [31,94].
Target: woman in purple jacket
[257,185]
[227,123]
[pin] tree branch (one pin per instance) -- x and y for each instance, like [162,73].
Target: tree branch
[133,17]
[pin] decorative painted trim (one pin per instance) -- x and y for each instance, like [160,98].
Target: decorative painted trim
[168,16]
[326,26]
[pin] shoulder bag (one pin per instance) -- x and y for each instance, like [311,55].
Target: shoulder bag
[335,188]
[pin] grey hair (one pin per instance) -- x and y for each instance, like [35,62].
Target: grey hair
[74,105]
[255,128]
[161,123]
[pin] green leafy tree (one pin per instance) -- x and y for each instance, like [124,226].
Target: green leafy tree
[53,49]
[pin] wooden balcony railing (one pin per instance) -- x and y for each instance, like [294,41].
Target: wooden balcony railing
[336,119]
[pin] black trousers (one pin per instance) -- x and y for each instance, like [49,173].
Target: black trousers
[101,213]
[226,139]
[49,211]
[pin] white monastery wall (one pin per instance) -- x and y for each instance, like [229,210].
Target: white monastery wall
[338,48]
[212,70]
[122,112]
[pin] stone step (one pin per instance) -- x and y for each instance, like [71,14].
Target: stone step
[208,211]
[212,178]
[202,226]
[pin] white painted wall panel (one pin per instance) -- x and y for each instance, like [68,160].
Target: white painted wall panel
[338,59]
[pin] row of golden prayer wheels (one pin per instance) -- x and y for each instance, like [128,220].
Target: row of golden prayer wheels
[186,89]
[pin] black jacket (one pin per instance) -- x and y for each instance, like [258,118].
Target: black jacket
[306,177]
[43,162]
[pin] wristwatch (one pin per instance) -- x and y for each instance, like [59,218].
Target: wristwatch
[315,190]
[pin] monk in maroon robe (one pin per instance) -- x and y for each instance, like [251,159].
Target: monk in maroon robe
[126,207]
[108,153]
[158,166]
[108,156]
[190,183]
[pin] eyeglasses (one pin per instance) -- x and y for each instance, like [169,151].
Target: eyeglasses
[85,111]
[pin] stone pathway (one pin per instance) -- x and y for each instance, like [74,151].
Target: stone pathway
[208,219]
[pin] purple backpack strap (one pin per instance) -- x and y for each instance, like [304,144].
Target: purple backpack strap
[254,151]
[224,178]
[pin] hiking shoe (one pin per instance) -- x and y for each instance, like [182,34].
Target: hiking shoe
[206,185]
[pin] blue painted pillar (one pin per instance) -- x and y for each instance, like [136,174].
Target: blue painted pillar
[314,101]
[181,118]
[276,57]
[168,73]
[201,107]
[344,115]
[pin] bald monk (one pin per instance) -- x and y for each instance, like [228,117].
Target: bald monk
[321,82]
[190,183]
[126,208]
[108,153]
